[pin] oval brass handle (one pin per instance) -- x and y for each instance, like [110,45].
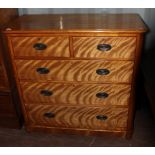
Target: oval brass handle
[40,46]
[101,117]
[102,71]
[104,47]
[49,114]
[42,70]
[102,95]
[46,92]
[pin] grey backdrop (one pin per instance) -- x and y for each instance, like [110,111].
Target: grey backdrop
[148,15]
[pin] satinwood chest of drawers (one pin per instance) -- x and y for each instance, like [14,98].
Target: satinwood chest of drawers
[76,73]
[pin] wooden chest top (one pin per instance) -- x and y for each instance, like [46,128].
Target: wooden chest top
[78,23]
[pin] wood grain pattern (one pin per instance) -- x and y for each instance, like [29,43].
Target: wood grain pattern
[75,70]
[75,94]
[78,117]
[122,47]
[121,23]
[56,46]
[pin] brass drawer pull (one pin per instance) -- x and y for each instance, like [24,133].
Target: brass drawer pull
[46,92]
[42,70]
[101,117]
[40,46]
[104,47]
[102,95]
[49,114]
[102,71]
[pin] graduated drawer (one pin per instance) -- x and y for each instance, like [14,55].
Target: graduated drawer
[104,47]
[41,46]
[75,94]
[75,70]
[104,118]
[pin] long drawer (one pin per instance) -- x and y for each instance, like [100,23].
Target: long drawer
[75,94]
[107,118]
[41,46]
[104,47]
[75,70]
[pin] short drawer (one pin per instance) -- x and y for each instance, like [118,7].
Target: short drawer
[104,47]
[41,46]
[75,70]
[107,118]
[75,94]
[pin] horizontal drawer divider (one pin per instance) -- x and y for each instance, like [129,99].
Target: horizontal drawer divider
[74,105]
[76,82]
[68,58]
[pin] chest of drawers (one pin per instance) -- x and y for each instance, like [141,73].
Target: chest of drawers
[76,73]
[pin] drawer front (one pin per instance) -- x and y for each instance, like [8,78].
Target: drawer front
[41,46]
[104,47]
[107,118]
[75,94]
[75,70]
